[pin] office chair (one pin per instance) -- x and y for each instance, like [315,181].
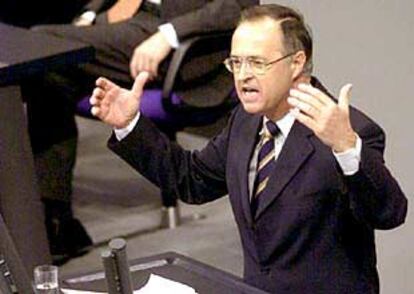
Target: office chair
[187,100]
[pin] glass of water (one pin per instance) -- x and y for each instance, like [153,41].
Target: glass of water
[46,279]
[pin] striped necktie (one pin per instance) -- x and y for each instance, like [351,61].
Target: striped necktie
[265,162]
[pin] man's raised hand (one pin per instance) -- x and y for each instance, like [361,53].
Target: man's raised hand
[328,120]
[114,105]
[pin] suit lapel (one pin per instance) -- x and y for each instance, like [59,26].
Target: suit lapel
[295,151]
[247,144]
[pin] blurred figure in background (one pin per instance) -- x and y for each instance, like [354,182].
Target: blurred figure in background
[126,44]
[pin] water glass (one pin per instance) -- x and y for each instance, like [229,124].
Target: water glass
[46,279]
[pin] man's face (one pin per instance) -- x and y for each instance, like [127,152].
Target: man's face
[265,93]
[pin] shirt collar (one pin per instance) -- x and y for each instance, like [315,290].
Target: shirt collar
[285,124]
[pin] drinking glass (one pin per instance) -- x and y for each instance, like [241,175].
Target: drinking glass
[46,279]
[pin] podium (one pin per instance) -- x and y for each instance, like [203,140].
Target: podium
[204,279]
[24,53]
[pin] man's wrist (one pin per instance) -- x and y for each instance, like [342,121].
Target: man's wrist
[349,159]
[348,143]
[124,132]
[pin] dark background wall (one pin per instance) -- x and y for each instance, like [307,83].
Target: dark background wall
[30,12]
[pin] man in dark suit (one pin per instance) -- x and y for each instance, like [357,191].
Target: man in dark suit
[123,49]
[308,225]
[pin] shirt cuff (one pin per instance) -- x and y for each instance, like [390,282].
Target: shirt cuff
[87,18]
[170,34]
[122,133]
[349,159]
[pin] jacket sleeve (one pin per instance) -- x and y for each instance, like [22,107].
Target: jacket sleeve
[216,15]
[194,177]
[375,196]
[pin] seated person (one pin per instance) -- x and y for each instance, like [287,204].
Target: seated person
[304,172]
[123,49]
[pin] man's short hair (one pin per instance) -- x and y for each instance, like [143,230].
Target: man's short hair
[295,32]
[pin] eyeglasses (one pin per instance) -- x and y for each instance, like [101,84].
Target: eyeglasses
[257,65]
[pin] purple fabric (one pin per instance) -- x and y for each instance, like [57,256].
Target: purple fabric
[151,107]
[83,108]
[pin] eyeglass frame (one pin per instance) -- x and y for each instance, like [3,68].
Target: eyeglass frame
[249,59]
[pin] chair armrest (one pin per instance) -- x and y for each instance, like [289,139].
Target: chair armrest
[188,49]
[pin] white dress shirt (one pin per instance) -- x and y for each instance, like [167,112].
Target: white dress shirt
[348,160]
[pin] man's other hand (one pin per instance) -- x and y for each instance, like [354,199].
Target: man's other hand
[114,105]
[149,54]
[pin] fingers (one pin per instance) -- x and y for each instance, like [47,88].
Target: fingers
[139,83]
[316,93]
[304,119]
[304,107]
[312,101]
[141,61]
[153,68]
[305,102]
[149,54]
[95,100]
[344,96]
[105,84]
[97,95]
[95,111]
[328,120]
[309,100]
[133,66]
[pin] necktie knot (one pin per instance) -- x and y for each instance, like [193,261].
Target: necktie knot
[271,130]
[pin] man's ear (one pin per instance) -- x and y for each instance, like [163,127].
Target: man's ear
[298,63]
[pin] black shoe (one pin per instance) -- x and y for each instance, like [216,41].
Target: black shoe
[68,239]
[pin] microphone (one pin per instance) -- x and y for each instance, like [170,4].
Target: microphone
[116,268]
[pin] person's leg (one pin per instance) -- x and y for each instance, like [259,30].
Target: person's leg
[53,135]
[51,103]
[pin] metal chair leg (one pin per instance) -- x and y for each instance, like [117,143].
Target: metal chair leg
[170,217]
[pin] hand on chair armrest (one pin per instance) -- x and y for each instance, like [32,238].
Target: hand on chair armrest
[188,49]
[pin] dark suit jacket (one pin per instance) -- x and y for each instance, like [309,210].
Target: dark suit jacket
[314,228]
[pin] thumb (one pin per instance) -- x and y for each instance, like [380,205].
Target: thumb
[139,83]
[344,96]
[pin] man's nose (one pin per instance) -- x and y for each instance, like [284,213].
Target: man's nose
[245,71]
